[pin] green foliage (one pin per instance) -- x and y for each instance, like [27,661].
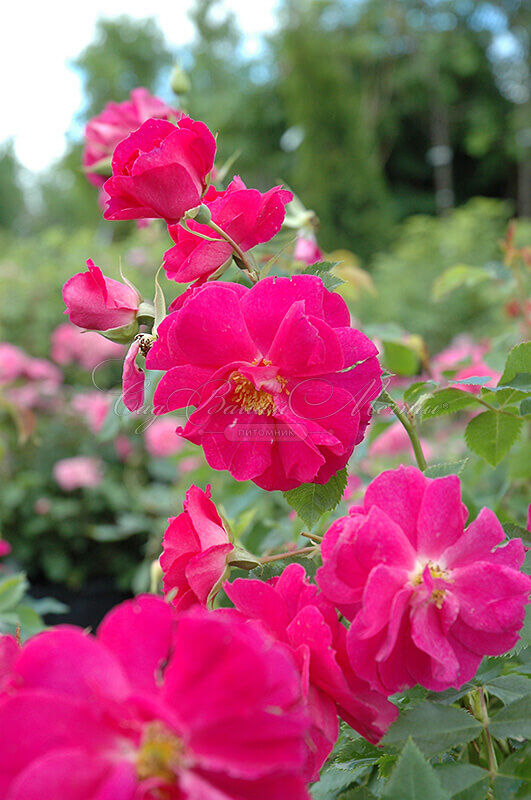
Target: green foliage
[434,728]
[491,435]
[413,778]
[312,500]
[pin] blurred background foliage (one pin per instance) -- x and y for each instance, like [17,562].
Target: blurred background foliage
[403,123]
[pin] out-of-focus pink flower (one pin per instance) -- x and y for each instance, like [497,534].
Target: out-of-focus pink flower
[94,407]
[25,381]
[117,120]
[189,464]
[86,349]
[478,369]
[42,506]
[197,705]
[281,383]
[123,447]
[395,441]
[99,303]
[292,610]
[354,484]
[427,597]
[133,379]
[160,170]
[5,548]
[249,218]
[160,437]
[196,547]
[461,351]
[307,250]
[464,359]
[78,472]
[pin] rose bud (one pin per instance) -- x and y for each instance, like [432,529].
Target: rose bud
[102,304]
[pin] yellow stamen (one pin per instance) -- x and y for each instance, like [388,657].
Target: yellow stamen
[161,754]
[250,399]
[436,571]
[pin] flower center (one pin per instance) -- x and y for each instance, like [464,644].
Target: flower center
[161,754]
[436,571]
[250,399]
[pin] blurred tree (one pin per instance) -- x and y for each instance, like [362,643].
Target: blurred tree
[125,53]
[12,203]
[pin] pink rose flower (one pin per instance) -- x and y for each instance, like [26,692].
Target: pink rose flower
[293,612]
[160,170]
[267,370]
[160,437]
[428,598]
[248,216]
[116,121]
[94,407]
[307,250]
[196,547]
[393,441]
[78,472]
[464,359]
[87,350]
[5,548]
[197,705]
[99,303]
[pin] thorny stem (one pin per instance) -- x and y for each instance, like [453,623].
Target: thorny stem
[279,556]
[410,427]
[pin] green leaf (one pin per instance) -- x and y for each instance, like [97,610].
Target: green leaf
[456,277]
[463,781]
[413,778]
[447,401]
[518,362]
[491,435]
[323,271]
[513,720]
[449,468]
[514,531]
[417,390]
[515,776]
[435,728]
[312,500]
[525,407]
[400,359]
[12,590]
[509,687]
[339,776]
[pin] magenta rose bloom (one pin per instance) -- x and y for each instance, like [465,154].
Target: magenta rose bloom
[292,610]
[249,217]
[200,705]
[160,170]
[98,303]
[281,383]
[428,598]
[116,121]
[196,547]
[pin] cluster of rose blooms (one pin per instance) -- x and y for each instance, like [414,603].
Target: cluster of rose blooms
[171,699]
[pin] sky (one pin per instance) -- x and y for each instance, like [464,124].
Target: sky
[39,90]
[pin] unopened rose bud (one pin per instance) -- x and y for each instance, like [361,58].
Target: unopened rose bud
[102,304]
[200,214]
[179,80]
